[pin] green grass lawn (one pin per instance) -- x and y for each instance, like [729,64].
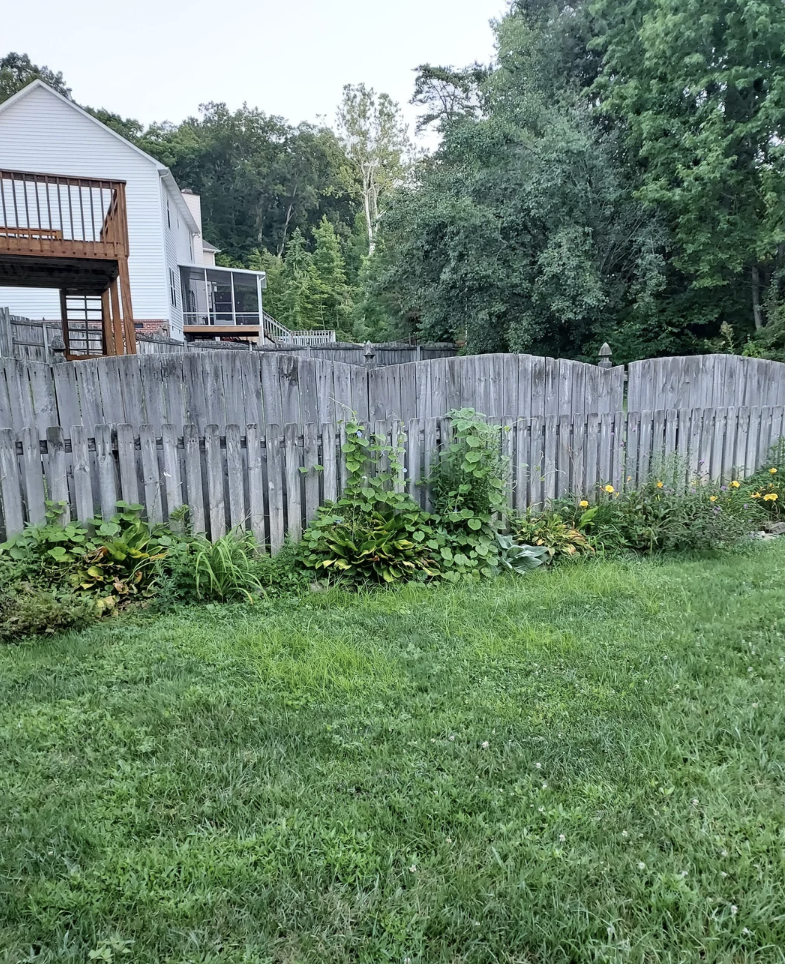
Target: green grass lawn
[577,765]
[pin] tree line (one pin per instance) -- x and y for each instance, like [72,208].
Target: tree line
[614,174]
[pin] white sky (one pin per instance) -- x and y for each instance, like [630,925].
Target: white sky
[159,59]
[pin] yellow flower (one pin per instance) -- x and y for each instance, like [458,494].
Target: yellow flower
[660,485]
[712,498]
[583,504]
[629,478]
[756,495]
[609,489]
[735,484]
[771,497]
[772,471]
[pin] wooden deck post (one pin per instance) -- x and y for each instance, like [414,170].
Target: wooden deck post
[128,313]
[106,324]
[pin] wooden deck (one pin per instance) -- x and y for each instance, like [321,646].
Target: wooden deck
[70,233]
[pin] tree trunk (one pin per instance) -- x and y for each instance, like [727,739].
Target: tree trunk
[757,311]
[368,215]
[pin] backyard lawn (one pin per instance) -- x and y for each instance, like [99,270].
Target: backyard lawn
[577,765]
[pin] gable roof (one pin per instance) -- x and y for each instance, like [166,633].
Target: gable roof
[164,172]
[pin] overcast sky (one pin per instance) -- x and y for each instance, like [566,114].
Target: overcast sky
[158,60]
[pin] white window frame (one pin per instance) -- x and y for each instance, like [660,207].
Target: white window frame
[172,288]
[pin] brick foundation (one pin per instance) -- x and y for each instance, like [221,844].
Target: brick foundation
[151,326]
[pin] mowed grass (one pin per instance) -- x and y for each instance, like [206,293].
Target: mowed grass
[577,765]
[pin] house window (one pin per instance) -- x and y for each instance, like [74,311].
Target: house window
[172,288]
[191,248]
[168,215]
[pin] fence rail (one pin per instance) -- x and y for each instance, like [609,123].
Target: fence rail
[266,480]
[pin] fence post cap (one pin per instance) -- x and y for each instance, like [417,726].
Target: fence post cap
[58,347]
[369,352]
[605,356]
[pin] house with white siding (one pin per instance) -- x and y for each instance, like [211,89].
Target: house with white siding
[176,287]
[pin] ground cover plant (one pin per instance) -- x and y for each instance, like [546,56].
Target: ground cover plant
[580,765]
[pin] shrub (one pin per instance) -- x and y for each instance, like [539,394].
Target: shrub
[468,484]
[31,612]
[657,517]
[112,559]
[373,533]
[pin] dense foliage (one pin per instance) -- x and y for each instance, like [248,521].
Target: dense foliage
[616,174]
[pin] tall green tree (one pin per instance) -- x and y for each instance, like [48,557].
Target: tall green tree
[17,71]
[375,138]
[699,87]
[330,294]
[259,177]
[522,231]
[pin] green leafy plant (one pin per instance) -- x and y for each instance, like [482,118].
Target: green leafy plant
[374,532]
[468,494]
[552,532]
[767,486]
[520,558]
[32,612]
[113,559]
[661,517]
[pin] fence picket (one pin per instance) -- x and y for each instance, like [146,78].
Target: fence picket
[234,476]
[9,484]
[57,471]
[563,481]
[274,486]
[104,463]
[255,485]
[171,468]
[151,477]
[216,506]
[126,459]
[294,526]
[35,502]
[193,477]
[330,462]
[83,487]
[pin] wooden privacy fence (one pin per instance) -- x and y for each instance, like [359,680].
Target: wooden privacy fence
[704,381]
[268,481]
[240,388]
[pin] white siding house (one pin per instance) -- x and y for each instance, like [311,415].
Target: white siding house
[43,132]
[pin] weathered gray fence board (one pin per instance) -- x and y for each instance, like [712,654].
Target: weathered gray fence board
[13,517]
[171,469]
[151,477]
[234,477]
[193,477]
[229,478]
[35,503]
[330,462]
[57,471]
[255,484]
[275,489]
[83,490]
[216,503]
[293,482]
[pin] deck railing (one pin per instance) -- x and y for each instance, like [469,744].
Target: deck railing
[55,216]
